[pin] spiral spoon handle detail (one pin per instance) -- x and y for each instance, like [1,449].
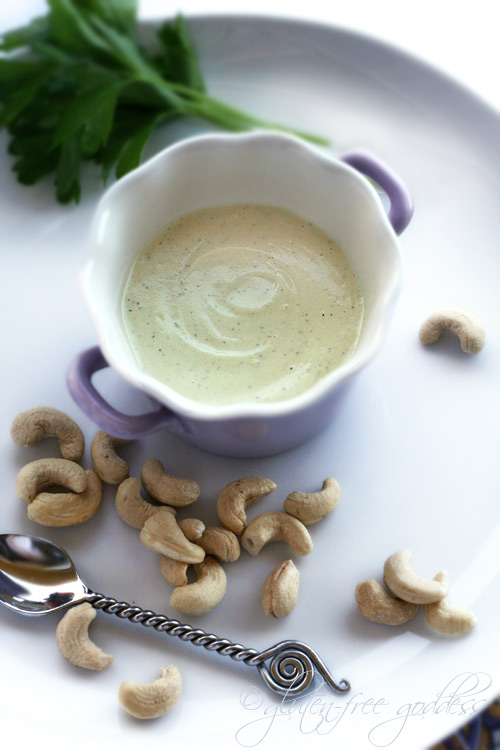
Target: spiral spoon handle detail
[292,666]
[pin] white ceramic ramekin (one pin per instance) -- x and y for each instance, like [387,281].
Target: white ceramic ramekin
[212,170]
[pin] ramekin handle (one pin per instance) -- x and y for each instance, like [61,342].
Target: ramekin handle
[90,401]
[401,208]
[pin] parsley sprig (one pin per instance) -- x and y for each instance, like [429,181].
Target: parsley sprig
[76,86]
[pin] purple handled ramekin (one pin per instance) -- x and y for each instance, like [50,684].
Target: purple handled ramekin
[264,168]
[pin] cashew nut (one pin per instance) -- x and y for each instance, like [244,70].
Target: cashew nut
[401,580]
[192,528]
[48,472]
[447,619]
[130,505]
[201,597]
[377,605]
[463,324]
[161,533]
[152,700]
[107,463]
[221,543]
[67,508]
[175,571]
[276,526]
[237,496]
[33,425]
[74,642]
[166,488]
[281,589]
[310,507]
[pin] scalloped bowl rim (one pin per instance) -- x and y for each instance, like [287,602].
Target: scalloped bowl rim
[167,396]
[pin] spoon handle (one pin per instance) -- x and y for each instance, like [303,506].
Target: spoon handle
[292,667]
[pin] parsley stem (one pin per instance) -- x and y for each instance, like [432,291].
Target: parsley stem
[199,104]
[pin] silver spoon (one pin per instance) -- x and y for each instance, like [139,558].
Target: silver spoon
[38,577]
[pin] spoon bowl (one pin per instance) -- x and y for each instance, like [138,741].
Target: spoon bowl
[37,576]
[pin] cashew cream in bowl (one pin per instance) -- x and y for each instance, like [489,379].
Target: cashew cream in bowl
[241,303]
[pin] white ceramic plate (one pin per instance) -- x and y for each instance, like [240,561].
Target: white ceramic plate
[414,444]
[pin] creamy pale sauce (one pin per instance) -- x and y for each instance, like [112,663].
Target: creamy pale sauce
[241,303]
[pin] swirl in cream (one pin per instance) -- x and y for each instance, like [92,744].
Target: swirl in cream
[241,303]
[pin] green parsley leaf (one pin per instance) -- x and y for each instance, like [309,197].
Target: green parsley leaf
[130,156]
[36,157]
[75,86]
[68,173]
[36,31]
[179,61]
[119,14]
[23,93]
[90,114]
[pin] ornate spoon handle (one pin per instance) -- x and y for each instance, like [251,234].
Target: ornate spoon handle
[292,667]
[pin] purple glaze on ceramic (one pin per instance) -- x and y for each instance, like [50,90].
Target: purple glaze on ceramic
[401,209]
[90,401]
[242,438]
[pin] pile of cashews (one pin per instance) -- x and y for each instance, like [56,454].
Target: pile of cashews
[83,494]
[399,600]
[189,542]
[77,504]
[179,543]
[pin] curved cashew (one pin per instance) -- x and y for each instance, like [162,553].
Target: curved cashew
[237,496]
[161,533]
[192,528]
[130,505]
[175,571]
[463,324]
[281,589]
[74,642]
[276,526]
[310,507]
[222,543]
[166,488]
[107,463]
[33,425]
[67,508]
[48,472]
[447,619]
[377,605]
[152,700]
[407,585]
[201,597]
